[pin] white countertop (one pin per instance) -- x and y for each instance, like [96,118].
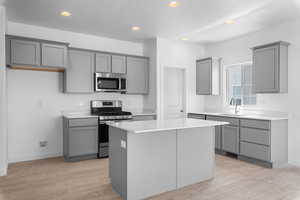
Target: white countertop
[79,115]
[87,114]
[245,116]
[163,125]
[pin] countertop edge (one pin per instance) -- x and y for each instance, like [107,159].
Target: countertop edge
[267,118]
[131,131]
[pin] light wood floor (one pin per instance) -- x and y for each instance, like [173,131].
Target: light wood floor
[88,180]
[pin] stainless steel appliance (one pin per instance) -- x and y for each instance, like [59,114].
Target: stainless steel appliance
[107,82]
[107,111]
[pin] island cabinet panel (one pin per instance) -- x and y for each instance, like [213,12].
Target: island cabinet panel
[218,132]
[118,64]
[103,62]
[270,68]
[137,75]
[191,155]
[24,52]
[79,77]
[117,161]
[151,162]
[54,55]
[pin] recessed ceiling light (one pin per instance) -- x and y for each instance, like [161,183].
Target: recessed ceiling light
[184,39]
[65,14]
[173,4]
[135,28]
[230,21]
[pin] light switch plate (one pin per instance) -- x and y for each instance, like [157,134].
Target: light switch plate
[123,144]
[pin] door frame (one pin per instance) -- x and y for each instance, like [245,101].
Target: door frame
[184,92]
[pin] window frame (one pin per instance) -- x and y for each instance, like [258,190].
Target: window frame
[227,98]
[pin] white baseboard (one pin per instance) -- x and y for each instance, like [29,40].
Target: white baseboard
[295,163]
[33,157]
[3,172]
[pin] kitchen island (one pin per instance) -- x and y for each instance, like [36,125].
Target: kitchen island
[151,157]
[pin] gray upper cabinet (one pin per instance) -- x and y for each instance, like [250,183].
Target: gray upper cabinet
[103,62]
[54,55]
[118,64]
[23,52]
[137,75]
[28,52]
[208,76]
[270,68]
[80,73]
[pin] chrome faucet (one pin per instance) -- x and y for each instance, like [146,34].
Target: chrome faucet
[237,102]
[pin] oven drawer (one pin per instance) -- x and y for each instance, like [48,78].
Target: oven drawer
[83,122]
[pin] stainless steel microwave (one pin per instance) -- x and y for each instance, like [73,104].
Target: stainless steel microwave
[106,82]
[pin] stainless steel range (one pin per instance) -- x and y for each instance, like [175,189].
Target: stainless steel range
[107,111]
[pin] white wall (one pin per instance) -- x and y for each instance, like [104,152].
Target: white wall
[35,100]
[3,107]
[183,55]
[238,50]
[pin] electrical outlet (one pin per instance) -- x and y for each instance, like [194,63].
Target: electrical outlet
[43,143]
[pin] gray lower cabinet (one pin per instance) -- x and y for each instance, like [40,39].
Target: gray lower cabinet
[27,52]
[118,64]
[270,68]
[103,63]
[256,151]
[79,77]
[54,55]
[196,116]
[263,142]
[80,138]
[230,139]
[137,75]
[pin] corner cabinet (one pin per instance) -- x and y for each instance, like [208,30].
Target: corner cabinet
[137,75]
[270,68]
[34,53]
[79,77]
[208,76]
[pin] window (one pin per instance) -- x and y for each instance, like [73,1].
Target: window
[239,83]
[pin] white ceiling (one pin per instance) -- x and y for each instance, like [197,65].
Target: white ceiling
[199,20]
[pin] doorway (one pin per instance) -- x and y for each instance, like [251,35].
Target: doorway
[173,93]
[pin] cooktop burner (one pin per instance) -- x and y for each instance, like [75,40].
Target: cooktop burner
[109,110]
